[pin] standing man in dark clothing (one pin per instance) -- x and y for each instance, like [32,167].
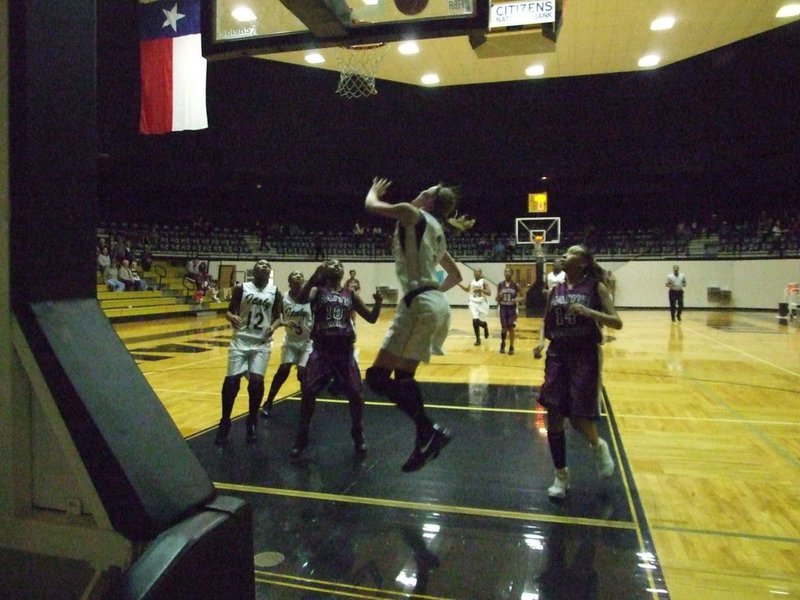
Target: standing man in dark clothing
[676,282]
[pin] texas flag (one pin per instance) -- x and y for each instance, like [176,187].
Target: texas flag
[173,67]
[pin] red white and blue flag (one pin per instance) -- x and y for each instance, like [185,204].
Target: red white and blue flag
[173,67]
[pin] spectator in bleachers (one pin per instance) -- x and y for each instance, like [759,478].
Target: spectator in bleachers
[511,248]
[204,284]
[193,267]
[125,275]
[319,246]
[358,235]
[153,237]
[764,224]
[111,277]
[484,247]
[139,284]
[499,250]
[776,238]
[103,260]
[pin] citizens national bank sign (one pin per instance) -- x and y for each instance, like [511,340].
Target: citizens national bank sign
[510,14]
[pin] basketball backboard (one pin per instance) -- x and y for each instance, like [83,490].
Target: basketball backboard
[246,27]
[546,229]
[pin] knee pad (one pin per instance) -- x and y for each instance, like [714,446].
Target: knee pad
[378,379]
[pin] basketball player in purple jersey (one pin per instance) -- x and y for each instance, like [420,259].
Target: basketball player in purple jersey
[508,297]
[575,310]
[333,335]
[422,320]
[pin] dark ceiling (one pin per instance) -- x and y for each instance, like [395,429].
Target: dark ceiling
[718,132]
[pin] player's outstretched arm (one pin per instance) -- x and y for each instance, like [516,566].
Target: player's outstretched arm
[309,290]
[404,212]
[370,316]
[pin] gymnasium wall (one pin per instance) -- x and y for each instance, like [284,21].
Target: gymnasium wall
[753,284]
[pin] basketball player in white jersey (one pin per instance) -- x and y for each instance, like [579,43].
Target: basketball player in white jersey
[479,292]
[422,320]
[297,344]
[254,313]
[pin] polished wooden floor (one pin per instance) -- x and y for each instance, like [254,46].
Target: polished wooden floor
[708,412]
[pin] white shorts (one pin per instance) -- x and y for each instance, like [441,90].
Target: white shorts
[421,329]
[296,353]
[245,357]
[479,309]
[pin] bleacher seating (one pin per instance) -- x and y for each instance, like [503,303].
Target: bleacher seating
[222,242]
[169,300]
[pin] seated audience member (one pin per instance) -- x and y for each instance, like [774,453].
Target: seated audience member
[103,260]
[511,247]
[205,287]
[193,267]
[111,277]
[499,251]
[319,246]
[139,283]
[125,275]
[358,234]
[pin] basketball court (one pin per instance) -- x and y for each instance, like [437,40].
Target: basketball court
[688,406]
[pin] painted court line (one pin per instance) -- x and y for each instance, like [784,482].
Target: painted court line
[737,534]
[335,587]
[451,509]
[747,354]
[526,411]
[712,420]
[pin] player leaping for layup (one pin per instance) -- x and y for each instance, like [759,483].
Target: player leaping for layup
[422,319]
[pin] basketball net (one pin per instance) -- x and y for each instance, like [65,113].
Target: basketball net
[357,68]
[537,239]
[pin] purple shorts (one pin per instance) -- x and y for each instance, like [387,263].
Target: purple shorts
[322,366]
[508,316]
[571,380]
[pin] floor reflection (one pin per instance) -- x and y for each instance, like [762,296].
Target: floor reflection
[475,523]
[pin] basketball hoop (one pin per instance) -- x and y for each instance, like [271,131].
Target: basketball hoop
[357,68]
[538,239]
